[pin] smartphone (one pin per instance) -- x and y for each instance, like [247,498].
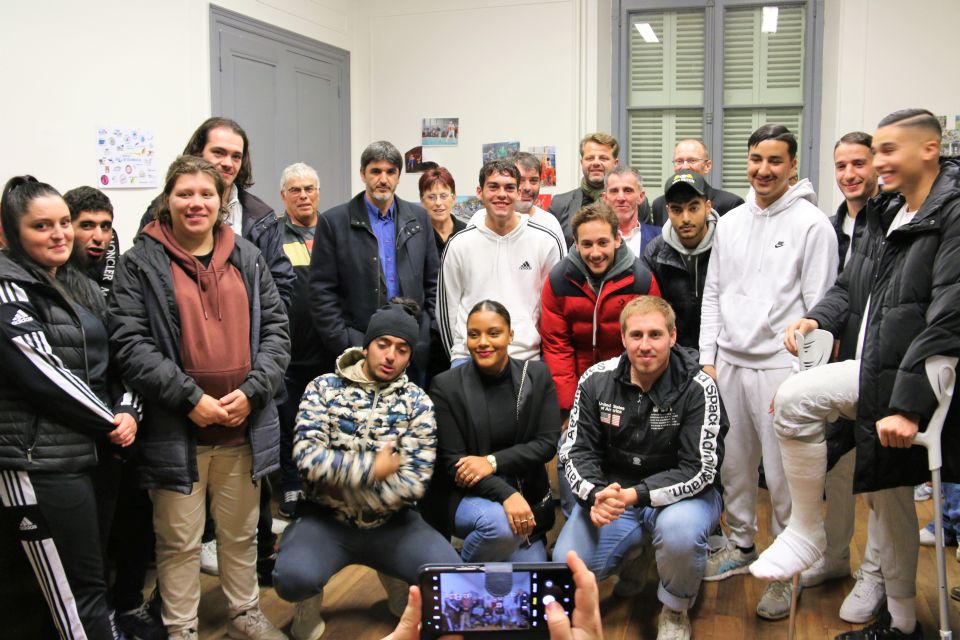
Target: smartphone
[492,600]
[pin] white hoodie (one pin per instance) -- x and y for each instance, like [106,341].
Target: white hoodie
[768,268]
[478,264]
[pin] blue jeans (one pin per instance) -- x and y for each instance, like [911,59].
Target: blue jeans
[951,513]
[678,532]
[316,546]
[487,536]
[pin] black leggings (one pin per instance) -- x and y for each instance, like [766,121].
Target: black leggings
[55,515]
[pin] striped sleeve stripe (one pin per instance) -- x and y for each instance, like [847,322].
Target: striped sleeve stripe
[37,350]
[709,437]
[551,234]
[446,329]
[11,292]
[580,485]
[16,489]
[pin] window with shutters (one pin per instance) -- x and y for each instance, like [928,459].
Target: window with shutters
[715,70]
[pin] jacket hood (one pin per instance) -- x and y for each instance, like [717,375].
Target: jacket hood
[10,269]
[803,190]
[623,260]
[672,239]
[223,243]
[947,185]
[350,367]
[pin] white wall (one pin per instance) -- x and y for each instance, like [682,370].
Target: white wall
[508,70]
[880,56]
[70,67]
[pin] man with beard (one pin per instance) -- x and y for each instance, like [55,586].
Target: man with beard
[529,167]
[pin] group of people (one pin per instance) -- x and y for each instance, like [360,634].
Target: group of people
[410,376]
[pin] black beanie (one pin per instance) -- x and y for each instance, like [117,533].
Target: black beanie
[393,320]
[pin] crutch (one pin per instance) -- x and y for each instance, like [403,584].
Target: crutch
[941,372]
[813,350]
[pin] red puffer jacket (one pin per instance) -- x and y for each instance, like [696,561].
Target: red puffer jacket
[578,327]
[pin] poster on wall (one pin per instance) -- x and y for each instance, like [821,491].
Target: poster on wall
[440,132]
[548,164]
[413,160]
[125,158]
[499,150]
[466,206]
[950,139]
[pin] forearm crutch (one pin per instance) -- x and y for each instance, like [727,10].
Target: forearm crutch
[813,350]
[941,372]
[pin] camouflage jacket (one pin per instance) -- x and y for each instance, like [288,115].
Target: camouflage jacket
[344,420]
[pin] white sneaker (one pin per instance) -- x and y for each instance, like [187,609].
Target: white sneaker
[397,593]
[823,570]
[927,538]
[183,634]
[864,601]
[922,492]
[308,624]
[208,558]
[775,602]
[673,625]
[253,625]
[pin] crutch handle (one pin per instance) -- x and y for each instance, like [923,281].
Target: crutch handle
[814,349]
[942,374]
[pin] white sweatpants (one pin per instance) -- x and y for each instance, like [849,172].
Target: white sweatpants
[803,405]
[747,394]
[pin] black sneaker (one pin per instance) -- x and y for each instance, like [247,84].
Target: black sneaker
[140,624]
[288,506]
[881,629]
[265,570]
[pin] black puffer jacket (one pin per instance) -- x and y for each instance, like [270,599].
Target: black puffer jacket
[51,411]
[912,279]
[145,328]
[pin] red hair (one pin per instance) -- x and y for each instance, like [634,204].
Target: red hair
[434,177]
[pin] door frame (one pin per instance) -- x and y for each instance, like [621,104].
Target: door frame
[339,58]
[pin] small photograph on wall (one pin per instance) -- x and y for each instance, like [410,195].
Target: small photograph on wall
[499,150]
[125,158]
[548,164]
[440,132]
[466,206]
[544,200]
[413,160]
[950,136]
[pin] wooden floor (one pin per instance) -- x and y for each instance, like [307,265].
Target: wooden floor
[356,609]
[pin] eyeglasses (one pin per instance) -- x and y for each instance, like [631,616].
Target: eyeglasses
[296,191]
[442,197]
[690,162]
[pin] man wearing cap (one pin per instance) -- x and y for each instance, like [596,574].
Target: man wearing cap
[364,443]
[692,155]
[679,257]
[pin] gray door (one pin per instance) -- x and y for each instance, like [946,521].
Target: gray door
[291,95]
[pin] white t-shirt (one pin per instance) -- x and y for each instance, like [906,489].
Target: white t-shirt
[903,217]
[235,215]
[848,224]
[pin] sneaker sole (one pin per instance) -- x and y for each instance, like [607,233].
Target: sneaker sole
[728,573]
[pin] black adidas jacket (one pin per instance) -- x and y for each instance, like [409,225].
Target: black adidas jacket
[666,443]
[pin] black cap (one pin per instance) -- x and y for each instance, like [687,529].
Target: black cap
[394,320]
[691,179]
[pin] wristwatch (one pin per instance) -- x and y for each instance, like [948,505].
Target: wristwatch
[493,462]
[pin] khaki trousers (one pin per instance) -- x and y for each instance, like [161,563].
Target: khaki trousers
[178,520]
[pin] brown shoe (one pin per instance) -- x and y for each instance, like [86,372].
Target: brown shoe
[955,593]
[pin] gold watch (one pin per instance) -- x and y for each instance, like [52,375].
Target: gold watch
[493,462]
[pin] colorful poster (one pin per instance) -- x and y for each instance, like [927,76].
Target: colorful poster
[499,150]
[440,132]
[548,164]
[950,139]
[125,158]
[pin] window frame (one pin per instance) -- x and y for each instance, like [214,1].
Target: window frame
[713,103]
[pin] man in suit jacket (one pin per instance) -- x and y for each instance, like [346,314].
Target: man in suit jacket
[366,252]
[598,155]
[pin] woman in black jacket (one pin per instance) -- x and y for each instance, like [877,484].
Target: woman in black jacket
[55,404]
[201,333]
[498,422]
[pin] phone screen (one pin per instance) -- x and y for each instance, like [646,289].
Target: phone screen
[477,599]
